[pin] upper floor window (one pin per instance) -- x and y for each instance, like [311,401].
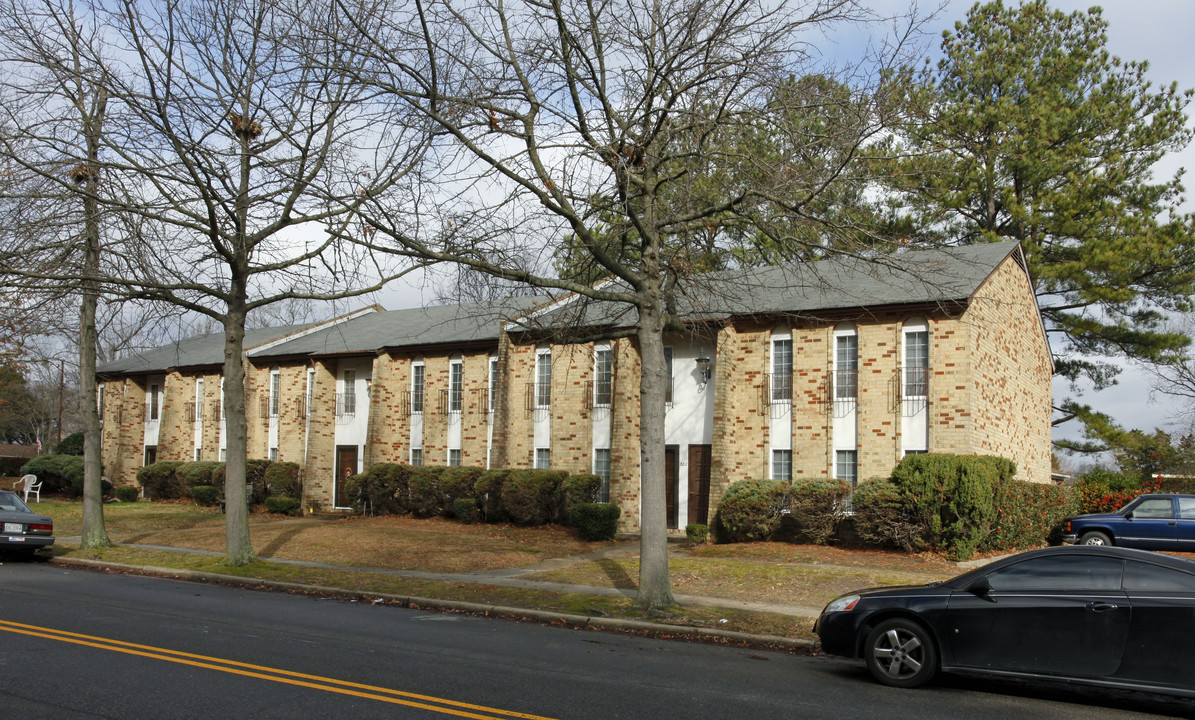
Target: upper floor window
[456,385]
[417,387]
[493,384]
[603,372]
[347,402]
[916,359]
[155,400]
[782,369]
[846,364]
[543,378]
[275,392]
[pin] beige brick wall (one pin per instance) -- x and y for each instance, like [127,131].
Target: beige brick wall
[124,429]
[1011,372]
[319,478]
[624,434]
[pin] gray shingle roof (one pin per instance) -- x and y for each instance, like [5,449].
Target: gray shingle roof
[191,352]
[943,275]
[437,325]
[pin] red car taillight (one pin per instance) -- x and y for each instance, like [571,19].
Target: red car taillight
[40,529]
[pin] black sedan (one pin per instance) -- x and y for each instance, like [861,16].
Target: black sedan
[1101,615]
[22,528]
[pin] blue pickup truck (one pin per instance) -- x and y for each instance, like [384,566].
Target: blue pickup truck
[1151,522]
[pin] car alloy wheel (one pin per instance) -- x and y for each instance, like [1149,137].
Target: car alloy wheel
[1095,538]
[901,653]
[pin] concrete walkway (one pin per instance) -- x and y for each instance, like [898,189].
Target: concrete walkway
[512,577]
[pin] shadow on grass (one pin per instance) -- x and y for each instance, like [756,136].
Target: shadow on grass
[617,574]
[280,540]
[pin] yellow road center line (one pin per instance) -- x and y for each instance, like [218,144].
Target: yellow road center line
[287,677]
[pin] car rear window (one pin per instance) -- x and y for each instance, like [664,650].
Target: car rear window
[1186,508]
[1146,577]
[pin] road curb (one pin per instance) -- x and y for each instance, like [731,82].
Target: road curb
[581,622]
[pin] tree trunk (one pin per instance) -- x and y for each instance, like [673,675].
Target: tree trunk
[93,533]
[655,588]
[238,548]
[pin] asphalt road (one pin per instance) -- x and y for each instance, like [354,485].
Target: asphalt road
[83,644]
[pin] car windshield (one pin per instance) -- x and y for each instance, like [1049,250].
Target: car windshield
[9,502]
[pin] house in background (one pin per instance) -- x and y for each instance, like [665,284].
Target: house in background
[833,369]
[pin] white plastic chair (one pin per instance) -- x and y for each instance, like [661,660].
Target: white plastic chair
[31,486]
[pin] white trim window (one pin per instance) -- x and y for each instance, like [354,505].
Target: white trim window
[454,457]
[846,466]
[456,385]
[846,364]
[543,378]
[601,468]
[782,369]
[416,457]
[915,380]
[348,398]
[782,465]
[490,391]
[154,411]
[417,371]
[543,458]
[275,392]
[603,376]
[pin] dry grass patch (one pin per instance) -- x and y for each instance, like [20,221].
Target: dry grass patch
[800,575]
[405,543]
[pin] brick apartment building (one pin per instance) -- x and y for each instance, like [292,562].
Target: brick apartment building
[838,368]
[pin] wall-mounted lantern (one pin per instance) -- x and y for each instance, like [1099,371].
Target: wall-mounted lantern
[703,367]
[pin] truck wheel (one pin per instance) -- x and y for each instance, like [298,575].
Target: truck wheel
[1095,537]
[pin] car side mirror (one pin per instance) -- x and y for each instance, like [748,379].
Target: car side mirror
[980,587]
[1128,515]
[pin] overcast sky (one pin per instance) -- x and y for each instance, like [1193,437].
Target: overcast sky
[1158,31]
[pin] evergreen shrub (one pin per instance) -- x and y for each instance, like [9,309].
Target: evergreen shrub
[205,494]
[159,482]
[751,510]
[881,518]
[282,480]
[488,491]
[427,497]
[817,505]
[697,533]
[384,486]
[465,510]
[283,505]
[531,497]
[128,493]
[578,488]
[594,521]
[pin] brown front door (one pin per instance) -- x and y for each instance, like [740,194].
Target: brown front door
[671,455]
[699,484]
[346,467]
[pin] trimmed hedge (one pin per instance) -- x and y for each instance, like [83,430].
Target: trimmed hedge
[159,481]
[488,491]
[1026,513]
[282,480]
[881,518]
[953,497]
[384,486]
[594,521]
[697,533]
[465,510]
[752,510]
[196,474]
[458,483]
[282,505]
[817,505]
[128,493]
[530,497]
[205,494]
[427,498]
[576,489]
[58,473]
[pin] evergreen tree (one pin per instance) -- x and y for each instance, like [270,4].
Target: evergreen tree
[1029,129]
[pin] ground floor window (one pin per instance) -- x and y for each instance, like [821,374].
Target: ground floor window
[543,458]
[416,457]
[454,457]
[846,466]
[782,465]
[601,468]
[274,454]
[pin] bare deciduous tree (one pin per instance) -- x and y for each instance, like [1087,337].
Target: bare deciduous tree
[604,130]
